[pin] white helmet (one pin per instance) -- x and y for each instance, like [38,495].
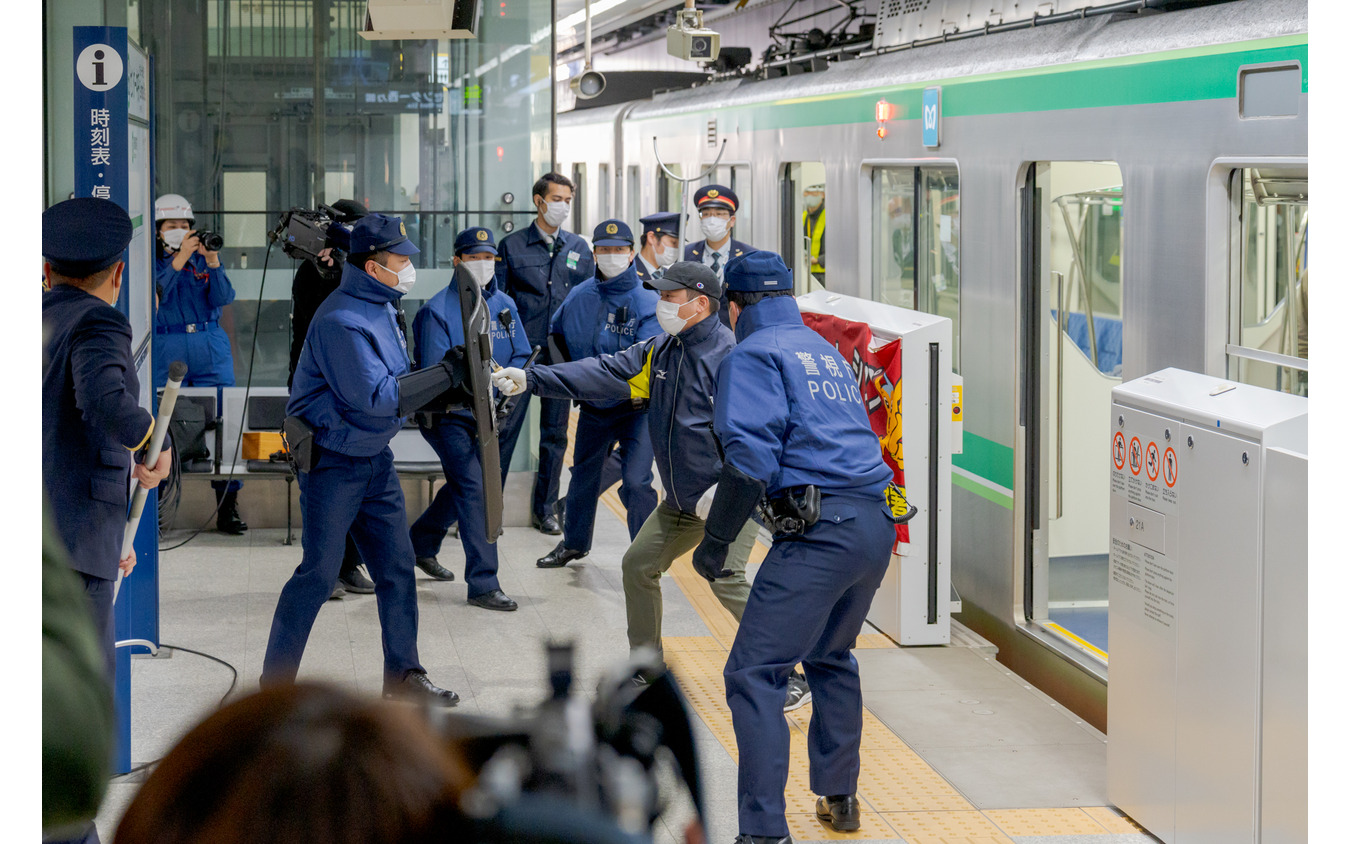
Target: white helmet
[171,206]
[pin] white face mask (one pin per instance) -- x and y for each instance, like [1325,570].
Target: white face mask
[813,202]
[714,228]
[611,265]
[667,256]
[482,271]
[173,238]
[407,277]
[556,212]
[668,317]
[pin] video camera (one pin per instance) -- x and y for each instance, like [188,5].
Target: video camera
[304,233]
[571,770]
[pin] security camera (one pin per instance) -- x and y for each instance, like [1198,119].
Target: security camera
[590,84]
[415,19]
[687,39]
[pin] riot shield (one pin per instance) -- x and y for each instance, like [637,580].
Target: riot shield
[478,385]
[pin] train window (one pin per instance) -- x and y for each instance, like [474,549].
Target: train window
[1268,328]
[1073,359]
[668,190]
[634,188]
[580,194]
[926,278]
[604,188]
[803,224]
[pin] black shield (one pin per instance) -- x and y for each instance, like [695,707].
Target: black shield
[478,385]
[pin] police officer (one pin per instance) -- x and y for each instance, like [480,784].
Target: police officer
[312,283]
[91,420]
[660,245]
[437,328]
[538,266]
[791,421]
[346,391]
[813,229]
[716,207]
[603,316]
[193,288]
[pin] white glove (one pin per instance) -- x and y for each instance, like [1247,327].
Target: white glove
[509,380]
[704,505]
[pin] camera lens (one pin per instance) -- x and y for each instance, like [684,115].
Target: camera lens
[211,241]
[699,47]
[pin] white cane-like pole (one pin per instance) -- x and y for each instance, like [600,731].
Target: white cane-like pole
[177,371]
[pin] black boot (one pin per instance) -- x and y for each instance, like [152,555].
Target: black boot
[227,513]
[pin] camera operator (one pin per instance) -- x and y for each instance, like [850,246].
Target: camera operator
[313,281]
[193,288]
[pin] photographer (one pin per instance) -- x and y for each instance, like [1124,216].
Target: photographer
[313,281]
[192,289]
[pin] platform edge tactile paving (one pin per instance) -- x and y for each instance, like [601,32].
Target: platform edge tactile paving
[1071,821]
[1113,820]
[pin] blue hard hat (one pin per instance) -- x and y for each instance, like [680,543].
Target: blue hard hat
[613,233]
[84,235]
[475,240]
[381,233]
[758,272]
[667,222]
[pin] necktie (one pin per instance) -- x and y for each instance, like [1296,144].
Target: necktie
[717,262]
[660,271]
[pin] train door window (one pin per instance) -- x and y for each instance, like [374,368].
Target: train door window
[738,179]
[1268,323]
[916,259]
[634,188]
[604,192]
[668,190]
[1073,356]
[802,223]
[580,218]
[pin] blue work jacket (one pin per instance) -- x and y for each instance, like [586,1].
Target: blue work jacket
[789,412]
[345,383]
[604,317]
[194,294]
[678,377]
[539,277]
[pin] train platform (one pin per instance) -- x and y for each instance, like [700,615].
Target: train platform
[956,748]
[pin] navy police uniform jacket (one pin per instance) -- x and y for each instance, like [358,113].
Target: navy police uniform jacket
[604,317]
[91,424]
[192,296]
[733,249]
[789,412]
[346,384]
[439,327]
[539,277]
[678,377]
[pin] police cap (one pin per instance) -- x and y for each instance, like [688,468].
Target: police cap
[664,223]
[381,233]
[758,272]
[716,196]
[688,275]
[475,240]
[84,235]
[613,233]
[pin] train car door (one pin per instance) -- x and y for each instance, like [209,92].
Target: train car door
[802,221]
[1073,329]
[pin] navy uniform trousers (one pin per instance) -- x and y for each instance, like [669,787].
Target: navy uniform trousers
[455,440]
[807,605]
[597,430]
[360,495]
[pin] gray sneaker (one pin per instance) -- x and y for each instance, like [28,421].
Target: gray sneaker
[798,693]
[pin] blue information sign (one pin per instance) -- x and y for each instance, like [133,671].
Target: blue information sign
[101,147]
[932,117]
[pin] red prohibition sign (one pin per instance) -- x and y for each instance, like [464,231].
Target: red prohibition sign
[1118,450]
[1151,461]
[1136,455]
[1170,467]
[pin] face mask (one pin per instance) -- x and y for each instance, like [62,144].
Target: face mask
[482,271]
[407,277]
[813,202]
[714,228]
[666,256]
[668,317]
[611,265]
[556,212]
[173,238]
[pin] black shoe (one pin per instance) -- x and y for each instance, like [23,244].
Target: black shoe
[763,839]
[434,569]
[548,524]
[227,513]
[417,688]
[494,600]
[798,693]
[841,811]
[559,557]
[355,581]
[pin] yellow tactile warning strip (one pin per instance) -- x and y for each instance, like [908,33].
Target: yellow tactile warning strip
[902,795]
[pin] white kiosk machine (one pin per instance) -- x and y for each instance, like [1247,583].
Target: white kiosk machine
[1207,704]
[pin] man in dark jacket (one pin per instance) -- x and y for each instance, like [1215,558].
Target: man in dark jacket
[676,372]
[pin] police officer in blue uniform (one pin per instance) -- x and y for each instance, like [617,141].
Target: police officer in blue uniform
[346,390]
[717,207]
[537,267]
[791,422]
[91,419]
[437,328]
[660,245]
[603,316]
[193,288]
